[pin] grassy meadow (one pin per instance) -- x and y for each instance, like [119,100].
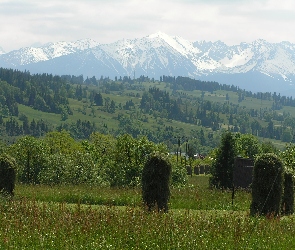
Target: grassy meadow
[83,217]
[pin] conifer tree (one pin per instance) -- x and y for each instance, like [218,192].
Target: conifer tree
[98,99]
[222,166]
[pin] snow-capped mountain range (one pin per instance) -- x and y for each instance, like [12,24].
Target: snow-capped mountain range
[256,66]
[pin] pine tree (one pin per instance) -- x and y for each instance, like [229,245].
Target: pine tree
[112,108]
[98,99]
[222,167]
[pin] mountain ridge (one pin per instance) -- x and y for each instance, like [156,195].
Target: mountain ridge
[160,54]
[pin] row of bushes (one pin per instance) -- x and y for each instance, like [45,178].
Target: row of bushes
[103,160]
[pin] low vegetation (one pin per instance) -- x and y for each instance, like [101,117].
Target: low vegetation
[199,218]
[98,215]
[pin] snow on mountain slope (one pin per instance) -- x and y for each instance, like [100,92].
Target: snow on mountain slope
[46,52]
[153,53]
[261,56]
[280,62]
[235,59]
[58,49]
[179,44]
[81,63]
[161,51]
[131,52]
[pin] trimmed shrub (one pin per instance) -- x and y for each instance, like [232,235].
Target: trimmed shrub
[156,176]
[267,186]
[7,174]
[288,197]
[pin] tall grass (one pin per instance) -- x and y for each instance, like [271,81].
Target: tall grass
[31,225]
[82,194]
[196,196]
[40,217]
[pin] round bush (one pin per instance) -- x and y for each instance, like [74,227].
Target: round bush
[7,174]
[155,183]
[267,185]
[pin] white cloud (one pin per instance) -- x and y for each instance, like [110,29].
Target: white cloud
[30,21]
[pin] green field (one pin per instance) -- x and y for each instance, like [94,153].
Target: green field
[82,217]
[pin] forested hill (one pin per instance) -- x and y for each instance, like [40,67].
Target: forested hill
[164,111]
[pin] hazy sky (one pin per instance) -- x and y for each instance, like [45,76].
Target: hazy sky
[28,22]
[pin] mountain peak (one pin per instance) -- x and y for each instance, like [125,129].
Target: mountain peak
[47,51]
[260,42]
[86,43]
[159,34]
[79,44]
[179,44]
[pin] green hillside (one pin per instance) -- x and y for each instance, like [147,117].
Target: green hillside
[164,111]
